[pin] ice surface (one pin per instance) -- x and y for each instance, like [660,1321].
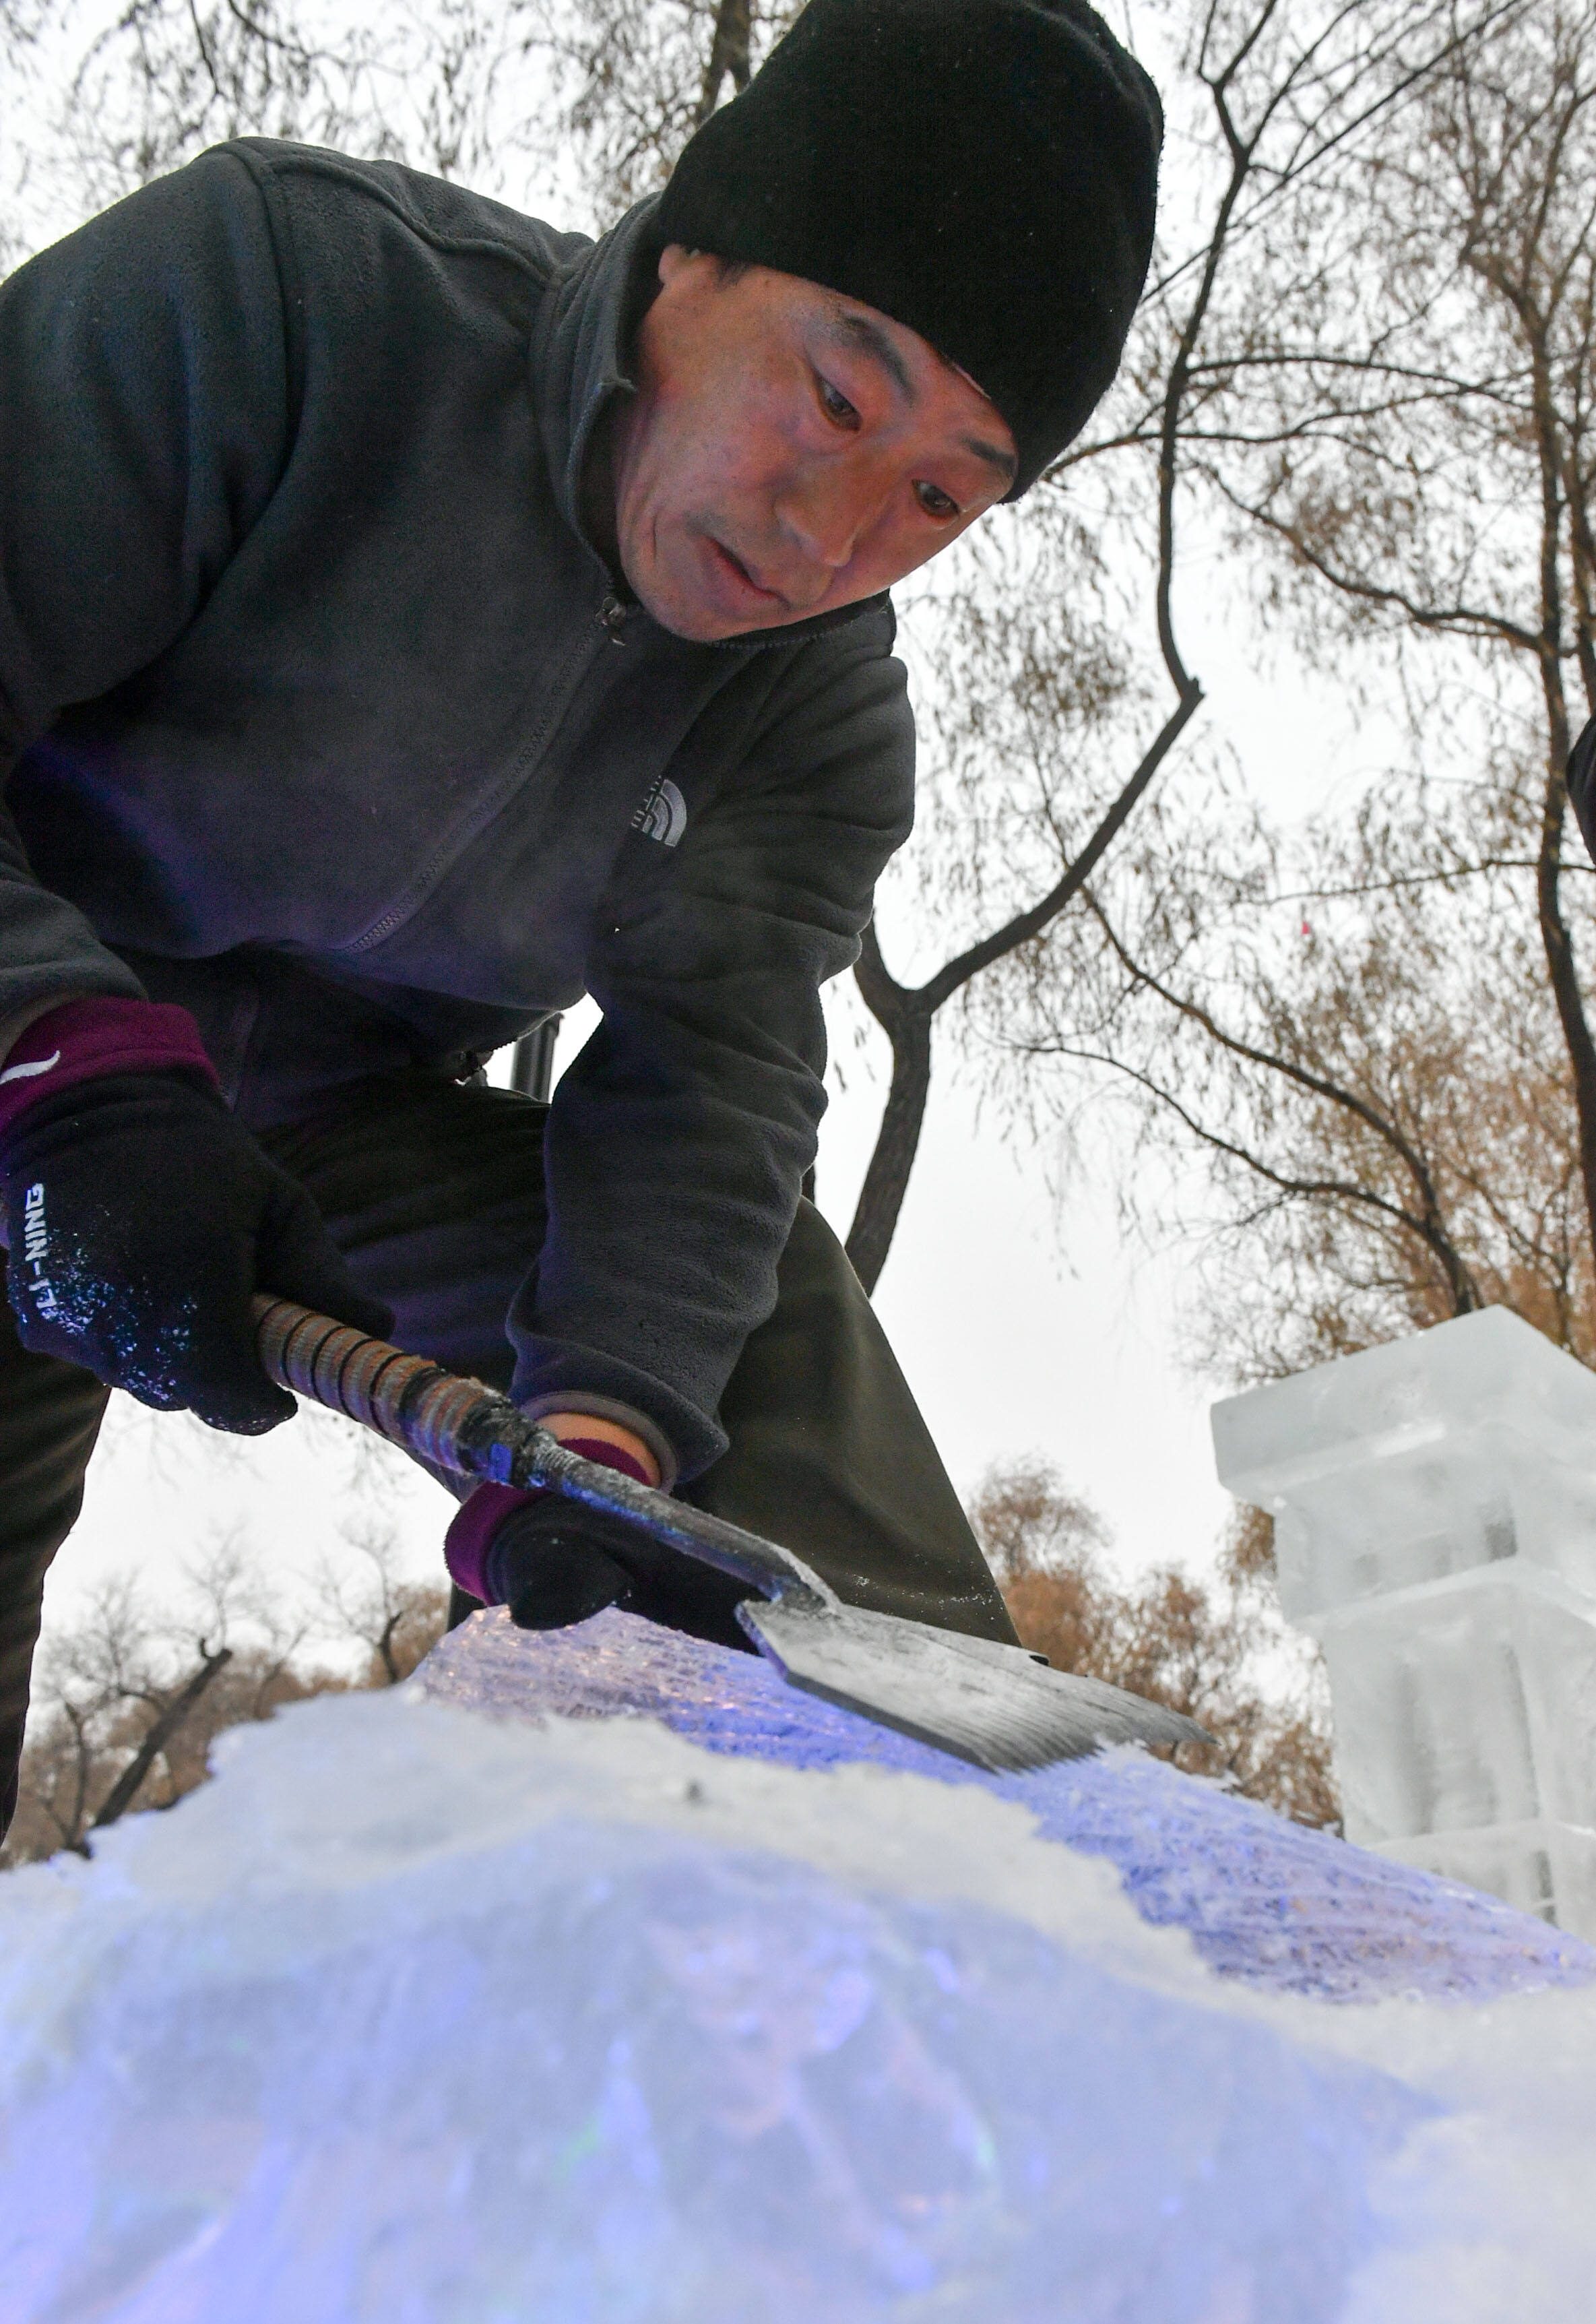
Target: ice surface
[1263,1900]
[438,2019]
[1434,1504]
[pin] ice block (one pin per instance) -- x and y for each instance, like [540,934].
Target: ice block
[598,1976]
[1434,1507]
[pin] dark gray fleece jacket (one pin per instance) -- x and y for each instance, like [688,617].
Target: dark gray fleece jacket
[318,714]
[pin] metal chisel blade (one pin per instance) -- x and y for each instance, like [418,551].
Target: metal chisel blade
[993,1704]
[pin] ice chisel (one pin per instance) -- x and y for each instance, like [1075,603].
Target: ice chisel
[997,1705]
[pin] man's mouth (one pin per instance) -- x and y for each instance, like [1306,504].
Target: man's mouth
[738,572]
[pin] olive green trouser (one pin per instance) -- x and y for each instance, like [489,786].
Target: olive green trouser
[434,1191]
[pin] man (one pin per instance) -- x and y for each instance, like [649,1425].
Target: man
[413,618]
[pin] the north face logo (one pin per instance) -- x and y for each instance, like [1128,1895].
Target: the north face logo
[663,815]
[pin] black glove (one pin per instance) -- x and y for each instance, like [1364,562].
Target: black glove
[553,1563]
[140,1218]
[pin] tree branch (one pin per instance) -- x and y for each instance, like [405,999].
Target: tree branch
[124,1790]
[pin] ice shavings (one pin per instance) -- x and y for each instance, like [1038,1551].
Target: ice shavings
[1263,1899]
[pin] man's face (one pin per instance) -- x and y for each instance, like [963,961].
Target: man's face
[789,451]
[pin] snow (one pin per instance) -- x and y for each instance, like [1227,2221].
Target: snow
[423,2013]
[1435,1504]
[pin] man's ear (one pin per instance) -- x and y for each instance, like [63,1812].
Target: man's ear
[672,259]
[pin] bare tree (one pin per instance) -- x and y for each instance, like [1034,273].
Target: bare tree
[458,87]
[128,1700]
[397,1618]
[730,54]
[1422,448]
[1373,1040]
[906,1013]
[1346,1072]
[1269,100]
[635,77]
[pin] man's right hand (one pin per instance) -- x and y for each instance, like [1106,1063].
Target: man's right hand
[140,1218]
[554,1561]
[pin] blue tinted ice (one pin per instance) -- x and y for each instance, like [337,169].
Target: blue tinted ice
[1263,1899]
[416,2016]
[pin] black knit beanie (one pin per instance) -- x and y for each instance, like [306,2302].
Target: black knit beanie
[984,171]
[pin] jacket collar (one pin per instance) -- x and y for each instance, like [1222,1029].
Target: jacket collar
[579,359]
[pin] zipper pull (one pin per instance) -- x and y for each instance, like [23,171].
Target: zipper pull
[612,616]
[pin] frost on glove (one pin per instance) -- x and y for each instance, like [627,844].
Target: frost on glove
[140,1217]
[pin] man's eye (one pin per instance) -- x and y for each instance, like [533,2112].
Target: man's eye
[936,501]
[837,406]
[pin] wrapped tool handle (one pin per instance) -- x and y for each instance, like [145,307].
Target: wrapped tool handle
[461,1425]
[988,1703]
[415,1404]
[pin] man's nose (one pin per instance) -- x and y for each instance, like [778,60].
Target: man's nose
[825,514]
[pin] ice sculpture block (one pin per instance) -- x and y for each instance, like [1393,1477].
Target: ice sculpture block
[418,2016]
[1434,1507]
[598,1976]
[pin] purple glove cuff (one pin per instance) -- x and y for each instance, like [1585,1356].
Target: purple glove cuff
[470,1536]
[83,1040]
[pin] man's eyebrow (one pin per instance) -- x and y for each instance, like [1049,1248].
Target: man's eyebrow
[860,331]
[1004,462]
